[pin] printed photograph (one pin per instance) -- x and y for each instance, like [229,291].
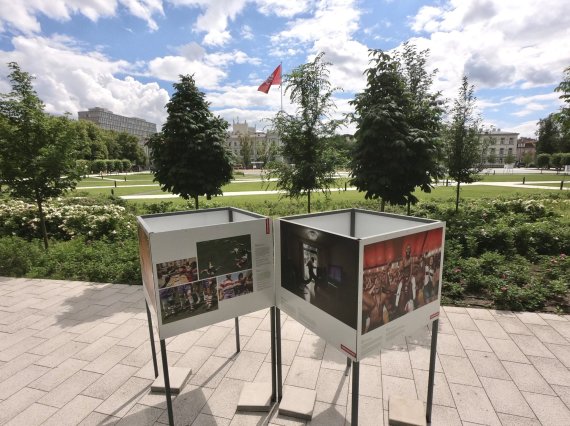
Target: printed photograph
[188,300]
[235,284]
[400,275]
[177,272]
[321,268]
[224,256]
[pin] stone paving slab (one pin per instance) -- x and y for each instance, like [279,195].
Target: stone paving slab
[75,353]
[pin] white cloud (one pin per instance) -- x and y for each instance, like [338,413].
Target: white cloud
[214,19]
[71,79]
[518,43]
[21,15]
[209,69]
[284,8]
[246,33]
[525,129]
[332,18]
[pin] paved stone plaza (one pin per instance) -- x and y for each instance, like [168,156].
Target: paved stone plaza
[79,353]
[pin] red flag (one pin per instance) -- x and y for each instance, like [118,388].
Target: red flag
[274,78]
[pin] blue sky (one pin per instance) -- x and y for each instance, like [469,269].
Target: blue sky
[124,55]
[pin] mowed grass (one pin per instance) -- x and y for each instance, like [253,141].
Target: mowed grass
[514,177]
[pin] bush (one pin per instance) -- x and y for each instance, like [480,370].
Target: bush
[85,260]
[66,219]
[18,255]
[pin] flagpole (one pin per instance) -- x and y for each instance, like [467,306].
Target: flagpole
[281,85]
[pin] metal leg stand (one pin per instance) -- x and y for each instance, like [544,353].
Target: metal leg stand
[273,355]
[355,385]
[348,364]
[278,355]
[431,377]
[152,347]
[166,382]
[237,335]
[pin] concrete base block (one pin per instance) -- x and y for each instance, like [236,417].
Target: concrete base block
[406,412]
[297,402]
[178,377]
[255,397]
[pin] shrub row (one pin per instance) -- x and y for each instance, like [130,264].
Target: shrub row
[511,252]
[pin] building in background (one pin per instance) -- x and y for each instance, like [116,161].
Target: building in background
[257,144]
[526,150]
[106,119]
[499,146]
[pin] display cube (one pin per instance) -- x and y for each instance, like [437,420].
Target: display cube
[359,278]
[205,266]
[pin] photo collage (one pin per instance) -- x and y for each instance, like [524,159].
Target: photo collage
[221,270]
[400,275]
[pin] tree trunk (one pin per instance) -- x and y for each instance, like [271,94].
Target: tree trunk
[309,201]
[382,204]
[196,202]
[409,205]
[457,197]
[42,221]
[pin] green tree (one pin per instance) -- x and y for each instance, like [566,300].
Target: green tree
[491,157]
[464,144]
[543,161]
[309,161]
[510,158]
[548,134]
[38,152]
[398,123]
[129,148]
[528,159]
[189,156]
[267,151]
[246,150]
[563,117]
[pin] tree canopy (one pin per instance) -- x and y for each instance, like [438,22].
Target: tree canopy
[398,121]
[309,159]
[189,157]
[38,152]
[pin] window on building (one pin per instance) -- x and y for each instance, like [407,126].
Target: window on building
[501,152]
[511,141]
[502,141]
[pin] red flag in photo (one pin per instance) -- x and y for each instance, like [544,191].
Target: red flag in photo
[273,79]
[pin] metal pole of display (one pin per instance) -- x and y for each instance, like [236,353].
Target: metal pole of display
[278,349]
[237,334]
[431,377]
[231,219]
[273,355]
[166,382]
[152,347]
[355,386]
[348,364]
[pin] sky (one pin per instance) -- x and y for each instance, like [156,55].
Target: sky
[124,55]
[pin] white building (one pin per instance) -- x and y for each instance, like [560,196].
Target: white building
[499,145]
[242,132]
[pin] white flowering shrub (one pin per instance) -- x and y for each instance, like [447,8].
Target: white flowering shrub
[66,220]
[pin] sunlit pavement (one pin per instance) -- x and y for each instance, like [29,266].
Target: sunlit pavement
[79,353]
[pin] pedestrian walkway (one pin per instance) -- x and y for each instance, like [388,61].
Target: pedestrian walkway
[78,353]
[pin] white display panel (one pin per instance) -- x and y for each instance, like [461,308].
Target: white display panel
[209,274]
[179,221]
[369,224]
[317,280]
[335,222]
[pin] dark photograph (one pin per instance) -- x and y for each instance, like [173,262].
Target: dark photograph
[321,268]
[177,272]
[188,300]
[400,275]
[235,284]
[224,256]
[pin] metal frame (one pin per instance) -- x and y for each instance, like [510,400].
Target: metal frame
[275,358]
